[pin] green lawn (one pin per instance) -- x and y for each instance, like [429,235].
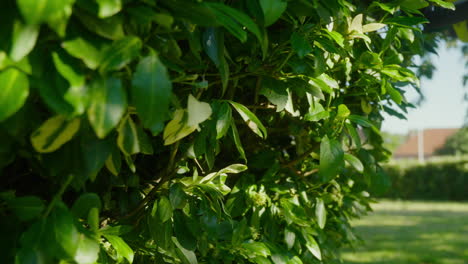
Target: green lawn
[412,232]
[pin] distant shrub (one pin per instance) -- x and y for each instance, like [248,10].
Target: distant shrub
[444,179]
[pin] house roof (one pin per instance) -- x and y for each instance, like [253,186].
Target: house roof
[433,139]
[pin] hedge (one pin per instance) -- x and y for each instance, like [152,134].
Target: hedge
[189,131]
[446,179]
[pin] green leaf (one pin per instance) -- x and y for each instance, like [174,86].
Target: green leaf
[108,103]
[87,48]
[213,44]
[164,209]
[353,133]
[234,168]
[38,11]
[312,245]
[229,23]
[414,4]
[114,161]
[316,82]
[331,159]
[289,238]
[356,24]
[15,90]
[146,147]
[272,10]
[151,93]
[177,196]
[120,53]
[406,21]
[251,119]
[26,208]
[276,92]
[257,249]
[189,256]
[343,112]
[444,4]
[116,230]
[67,67]
[87,251]
[316,112]
[394,93]
[53,133]
[109,8]
[23,40]
[237,141]
[240,18]
[372,27]
[127,139]
[360,120]
[122,248]
[223,119]
[63,230]
[110,28]
[198,111]
[300,45]
[85,203]
[320,213]
[355,162]
[196,13]
[177,129]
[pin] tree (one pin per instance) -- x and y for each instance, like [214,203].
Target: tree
[456,144]
[180,131]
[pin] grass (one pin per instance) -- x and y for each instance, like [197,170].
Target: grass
[401,232]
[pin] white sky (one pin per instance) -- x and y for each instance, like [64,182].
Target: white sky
[444,106]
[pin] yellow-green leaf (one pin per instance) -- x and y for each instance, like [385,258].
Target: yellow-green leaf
[14,87]
[53,133]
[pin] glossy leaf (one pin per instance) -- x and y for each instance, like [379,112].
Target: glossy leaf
[355,162]
[127,139]
[53,133]
[151,93]
[15,90]
[67,67]
[300,45]
[164,209]
[35,12]
[108,102]
[88,49]
[223,120]
[109,8]
[331,159]
[122,248]
[237,141]
[120,53]
[85,203]
[320,213]
[198,111]
[177,129]
[272,10]
[251,119]
[24,39]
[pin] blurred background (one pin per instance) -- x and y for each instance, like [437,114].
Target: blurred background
[423,217]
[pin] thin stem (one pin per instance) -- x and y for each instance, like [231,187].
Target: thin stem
[58,195]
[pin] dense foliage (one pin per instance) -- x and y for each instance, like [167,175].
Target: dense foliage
[180,131]
[445,178]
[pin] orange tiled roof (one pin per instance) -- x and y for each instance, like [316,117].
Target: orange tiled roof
[433,140]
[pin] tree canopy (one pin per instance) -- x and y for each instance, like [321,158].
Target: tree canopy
[180,131]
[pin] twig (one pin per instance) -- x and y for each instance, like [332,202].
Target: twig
[166,177]
[58,195]
[300,158]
